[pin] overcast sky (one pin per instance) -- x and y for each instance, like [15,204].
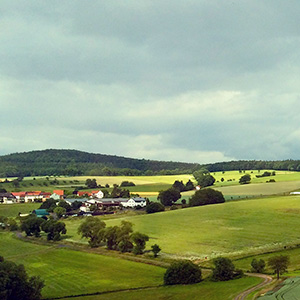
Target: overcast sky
[189,80]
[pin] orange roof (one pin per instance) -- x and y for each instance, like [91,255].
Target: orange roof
[59,192]
[34,193]
[83,193]
[19,194]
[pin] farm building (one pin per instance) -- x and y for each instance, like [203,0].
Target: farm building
[134,202]
[7,198]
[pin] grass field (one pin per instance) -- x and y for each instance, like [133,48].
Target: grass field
[235,228]
[12,210]
[68,272]
[205,290]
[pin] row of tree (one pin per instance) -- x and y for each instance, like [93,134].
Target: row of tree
[121,238]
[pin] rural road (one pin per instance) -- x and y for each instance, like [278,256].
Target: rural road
[267,280]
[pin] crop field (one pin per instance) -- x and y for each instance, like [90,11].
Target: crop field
[203,290]
[289,290]
[235,228]
[68,272]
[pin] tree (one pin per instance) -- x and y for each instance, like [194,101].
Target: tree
[32,225]
[153,207]
[123,236]
[189,186]
[182,272]
[93,229]
[65,205]
[223,270]
[279,264]
[179,186]
[155,249]
[111,237]
[245,179]
[168,197]
[49,204]
[59,211]
[54,229]
[117,192]
[205,197]
[139,240]
[91,183]
[203,178]
[258,266]
[15,283]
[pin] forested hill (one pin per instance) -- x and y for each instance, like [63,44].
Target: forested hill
[73,162]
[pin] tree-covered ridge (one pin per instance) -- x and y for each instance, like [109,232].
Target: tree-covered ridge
[73,162]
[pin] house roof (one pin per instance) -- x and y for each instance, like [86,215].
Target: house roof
[34,193]
[82,193]
[138,199]
[41,212]
[7,195]
[19,194]
[59,192]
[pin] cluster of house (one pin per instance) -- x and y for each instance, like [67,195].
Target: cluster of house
[93,200]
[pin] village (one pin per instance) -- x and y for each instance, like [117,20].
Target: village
[91,202]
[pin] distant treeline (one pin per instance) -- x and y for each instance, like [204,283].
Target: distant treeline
[285,165]
[73,163]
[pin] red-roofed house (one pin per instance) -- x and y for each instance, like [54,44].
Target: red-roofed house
[58,194]
[31,196]
[19,195]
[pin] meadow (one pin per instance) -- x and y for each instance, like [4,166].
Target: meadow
[68,272]
[236,228]
[204,290]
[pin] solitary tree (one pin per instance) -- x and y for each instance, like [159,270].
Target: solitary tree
[245,179]
[155,249]
[279,264]
[204,178]
[54,229]
[206,196]
[32,226]
[169,196]
[182,272]
[224,269]
[258,266]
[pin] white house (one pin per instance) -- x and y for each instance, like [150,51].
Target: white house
[97,194]
[134,202]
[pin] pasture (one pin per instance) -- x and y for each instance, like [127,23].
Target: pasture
[203,290]
[12,210]
[68,272]
[236,229]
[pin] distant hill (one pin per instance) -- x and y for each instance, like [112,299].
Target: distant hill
[73,162]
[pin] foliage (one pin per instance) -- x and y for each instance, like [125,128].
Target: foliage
[15,283]
[54,229]
[8,223]
[32,225]
[279,264]
[205,197]
[245,179]
[153,207]
[91,183]
[155,249]
[59,211]
[127,183]
[168,197]
[65,205]
[93,229]
[49,204]
[182,272]
[117,192]
[203,178]
[258,266]
[139,240]
[223,270]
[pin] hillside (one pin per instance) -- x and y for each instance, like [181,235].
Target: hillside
[73,162]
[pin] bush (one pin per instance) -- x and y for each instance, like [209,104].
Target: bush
[182,272]
[127,183]
[154,207]
[206,196]
[258,266]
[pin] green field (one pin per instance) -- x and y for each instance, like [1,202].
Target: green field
[235,228]
[12,210]
[68,272]
[204,291]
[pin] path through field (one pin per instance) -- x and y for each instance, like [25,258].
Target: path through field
[267,280]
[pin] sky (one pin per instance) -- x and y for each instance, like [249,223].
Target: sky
[192,81]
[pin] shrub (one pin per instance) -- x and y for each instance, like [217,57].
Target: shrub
[206,196]
[154,207]
[224,269]
[182,272]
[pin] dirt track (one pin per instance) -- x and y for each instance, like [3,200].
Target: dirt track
[267,280]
